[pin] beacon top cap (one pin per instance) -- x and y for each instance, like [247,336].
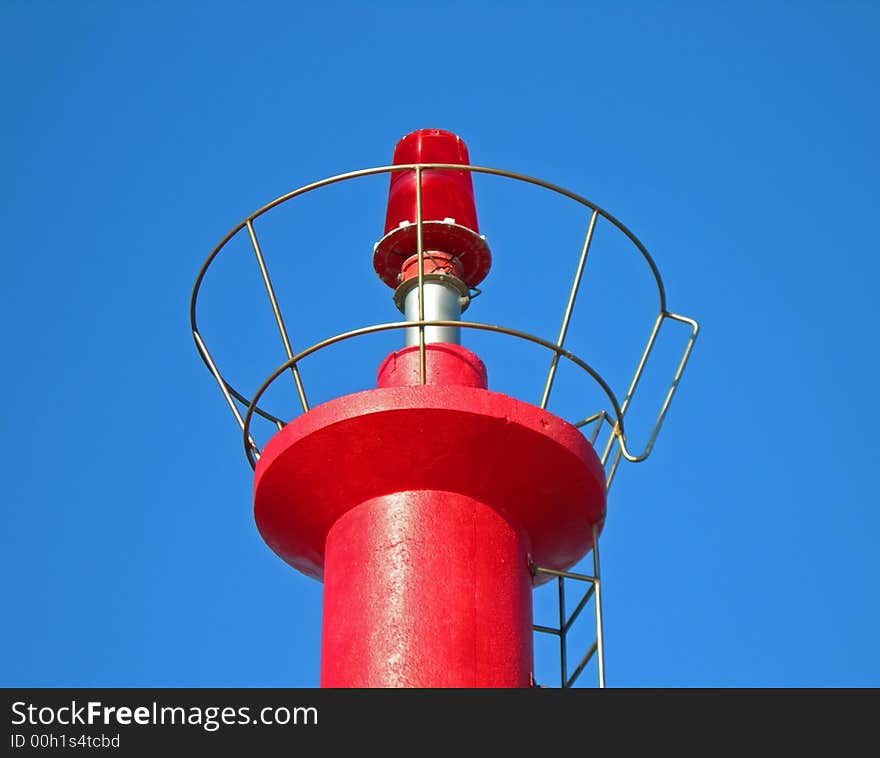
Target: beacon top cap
[431,146]
[449,214]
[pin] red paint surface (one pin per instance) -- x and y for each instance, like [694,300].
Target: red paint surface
[420,506]
[445,365]
[532,467]
[432,263]
[426,589]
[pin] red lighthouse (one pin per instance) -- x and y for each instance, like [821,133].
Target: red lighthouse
[426,503]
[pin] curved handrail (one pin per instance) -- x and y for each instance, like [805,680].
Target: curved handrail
[232,394]
[409,324]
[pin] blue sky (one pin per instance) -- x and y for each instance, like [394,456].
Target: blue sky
[738,141]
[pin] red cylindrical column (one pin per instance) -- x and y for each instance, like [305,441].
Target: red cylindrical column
[426,589]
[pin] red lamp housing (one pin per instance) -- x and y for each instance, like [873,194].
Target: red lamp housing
[449,214]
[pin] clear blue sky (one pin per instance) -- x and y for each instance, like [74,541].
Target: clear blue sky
[739,142]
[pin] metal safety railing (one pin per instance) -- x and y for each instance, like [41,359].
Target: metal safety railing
[610,418]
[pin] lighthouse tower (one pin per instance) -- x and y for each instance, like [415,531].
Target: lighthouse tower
[430,505]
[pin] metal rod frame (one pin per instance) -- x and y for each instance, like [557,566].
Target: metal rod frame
[566,621]
[566,318]
[612,416]
[279,319]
